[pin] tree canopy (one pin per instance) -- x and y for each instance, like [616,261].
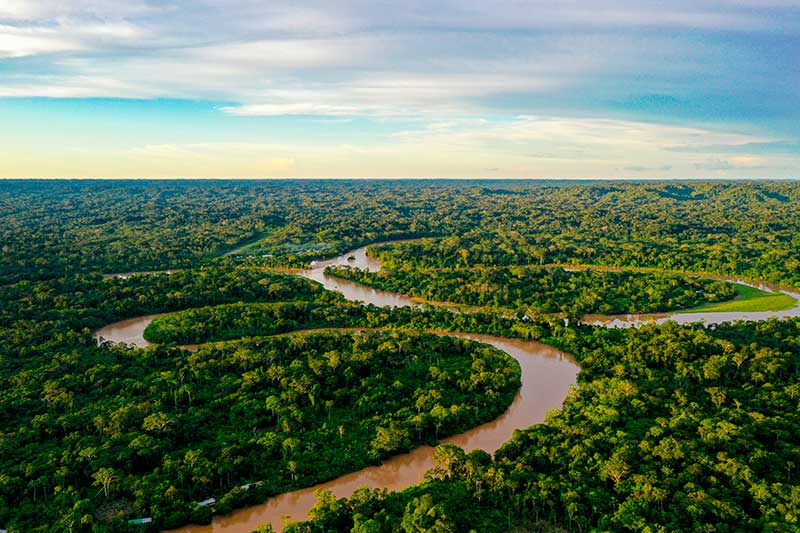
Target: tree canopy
[671,428]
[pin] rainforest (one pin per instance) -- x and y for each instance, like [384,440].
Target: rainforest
[478,355]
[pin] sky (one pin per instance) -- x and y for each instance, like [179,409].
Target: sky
[374,88]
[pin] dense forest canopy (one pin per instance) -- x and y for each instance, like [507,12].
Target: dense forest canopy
[91,301]
[670,429]
[67,227]
[166,429]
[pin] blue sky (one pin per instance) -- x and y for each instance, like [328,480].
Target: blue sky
[246,88]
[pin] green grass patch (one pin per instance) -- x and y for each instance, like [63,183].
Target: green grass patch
[749,299]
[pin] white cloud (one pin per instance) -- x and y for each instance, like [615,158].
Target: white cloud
[39,10]
[522,147]
[72,87]
[295,108]
[388,94]
[106,32]
[19,9]
[21,42]
[601,135]
[66,36]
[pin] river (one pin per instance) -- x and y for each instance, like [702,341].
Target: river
[547,375]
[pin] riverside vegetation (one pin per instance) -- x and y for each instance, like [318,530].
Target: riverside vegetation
[672,428]
[156,430]
[545,290]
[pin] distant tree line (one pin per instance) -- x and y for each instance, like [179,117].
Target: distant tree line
[55,229]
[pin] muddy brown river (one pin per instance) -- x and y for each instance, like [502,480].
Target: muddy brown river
[547,375]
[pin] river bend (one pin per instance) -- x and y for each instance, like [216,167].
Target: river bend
[547,375]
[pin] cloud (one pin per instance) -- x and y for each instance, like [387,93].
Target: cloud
[604,14]
[715,164]
[294,108]
[640,168]
[522,146]
[552,38]
[780,146]
[530,87]
[67,36]
[72,87]
[387,94]
[519,147]
[295,54]
[453,59]
[570,132]
[20,42]
[43,10]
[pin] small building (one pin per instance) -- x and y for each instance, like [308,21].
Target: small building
[210,501]
[138,521]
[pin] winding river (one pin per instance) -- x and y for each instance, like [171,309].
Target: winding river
[547,375]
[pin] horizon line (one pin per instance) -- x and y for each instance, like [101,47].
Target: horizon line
[386,178]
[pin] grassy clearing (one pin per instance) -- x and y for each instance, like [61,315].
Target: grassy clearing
[749,299]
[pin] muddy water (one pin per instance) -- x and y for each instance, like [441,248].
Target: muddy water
[351,290]
[129,331]
[547,375]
